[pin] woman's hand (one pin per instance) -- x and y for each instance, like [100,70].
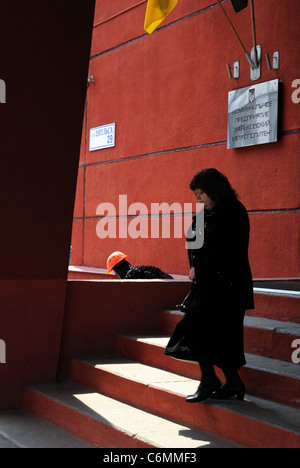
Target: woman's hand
[192,275]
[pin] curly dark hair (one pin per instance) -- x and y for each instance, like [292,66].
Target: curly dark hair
[214,183]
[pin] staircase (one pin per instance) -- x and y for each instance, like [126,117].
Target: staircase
[136,398]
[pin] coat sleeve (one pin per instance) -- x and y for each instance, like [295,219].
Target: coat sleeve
[225,248]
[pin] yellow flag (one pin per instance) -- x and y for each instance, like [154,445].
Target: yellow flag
[157,10]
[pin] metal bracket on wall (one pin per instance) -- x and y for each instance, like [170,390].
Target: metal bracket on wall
[255,67]
[236,70]
[275,64]
[90,80]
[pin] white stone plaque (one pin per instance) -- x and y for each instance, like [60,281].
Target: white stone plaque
[253,115]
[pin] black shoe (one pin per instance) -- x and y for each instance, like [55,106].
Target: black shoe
[229,391]
[203,393]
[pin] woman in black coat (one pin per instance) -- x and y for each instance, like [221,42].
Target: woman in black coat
[211,331]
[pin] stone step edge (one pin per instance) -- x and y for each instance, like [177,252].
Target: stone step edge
[227,419]
[19,428]
[277,326]
[264,377]
[43,401]
[255,361]
[263,336]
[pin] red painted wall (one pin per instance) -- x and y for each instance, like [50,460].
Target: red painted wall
[167,94]
[97,312]
[44,56]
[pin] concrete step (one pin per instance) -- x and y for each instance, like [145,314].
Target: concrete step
[106,422]
[254,422]
[267,337]
[264,377]
[21,429]
[276,304]
[272,338]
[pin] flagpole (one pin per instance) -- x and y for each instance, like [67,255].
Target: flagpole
[253,32]
[236,34]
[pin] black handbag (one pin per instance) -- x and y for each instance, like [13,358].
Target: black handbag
[178,346]
[191,301]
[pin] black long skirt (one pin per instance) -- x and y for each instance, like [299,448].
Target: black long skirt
[218,334]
